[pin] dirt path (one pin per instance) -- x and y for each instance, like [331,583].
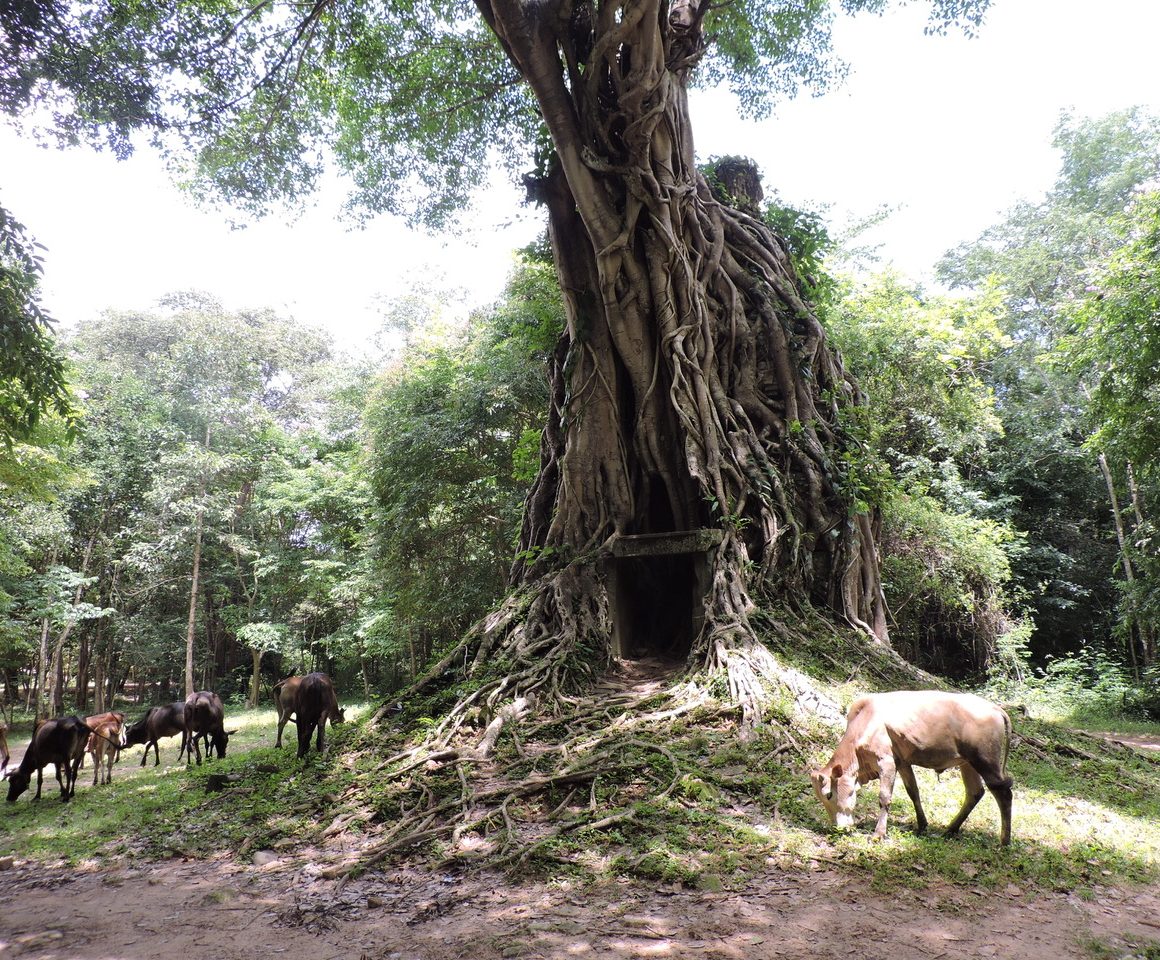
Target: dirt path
[225,911]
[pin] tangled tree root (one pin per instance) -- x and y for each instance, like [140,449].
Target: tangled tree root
[499,785]
[580,770]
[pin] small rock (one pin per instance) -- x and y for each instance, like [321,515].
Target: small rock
[373,901]
[263,857]
[7,863]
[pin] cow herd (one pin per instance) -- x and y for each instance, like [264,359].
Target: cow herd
[887,735]
[199,719]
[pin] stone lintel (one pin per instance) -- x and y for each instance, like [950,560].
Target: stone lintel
[666,544]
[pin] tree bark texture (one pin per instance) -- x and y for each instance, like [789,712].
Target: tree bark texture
[195,575]
[694,386]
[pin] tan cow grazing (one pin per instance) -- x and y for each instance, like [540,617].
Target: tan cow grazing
[891,733]
[105,741]
[285,693]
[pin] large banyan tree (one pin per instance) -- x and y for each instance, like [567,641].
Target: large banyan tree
[694,455]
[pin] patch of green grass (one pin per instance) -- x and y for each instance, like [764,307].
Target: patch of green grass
[155,811]
[1121,948]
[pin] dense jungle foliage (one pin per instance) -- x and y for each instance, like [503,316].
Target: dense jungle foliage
[358,515]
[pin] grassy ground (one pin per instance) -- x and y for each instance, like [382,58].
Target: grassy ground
[705,809]
[156,811]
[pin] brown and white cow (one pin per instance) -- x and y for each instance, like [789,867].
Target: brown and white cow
[315,702]
[60,741]
[891,733]
[285,692]
[105,741]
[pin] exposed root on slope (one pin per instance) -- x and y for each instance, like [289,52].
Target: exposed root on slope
[499,783]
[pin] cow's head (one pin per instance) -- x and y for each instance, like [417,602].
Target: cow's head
[17,784]
[137,732]
[837,788]
[338,715]
[221,740]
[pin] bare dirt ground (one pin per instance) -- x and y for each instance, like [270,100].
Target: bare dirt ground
[225,910]
[228,910]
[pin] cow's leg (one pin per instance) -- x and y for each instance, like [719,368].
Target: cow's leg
[885,794]
[282,718]
[305,732]
[974,787]
[322,735]
[1000,788]
[96,767]
[39,780]
[907,773]
[73,770]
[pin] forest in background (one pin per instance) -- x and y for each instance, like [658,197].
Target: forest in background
[227,483]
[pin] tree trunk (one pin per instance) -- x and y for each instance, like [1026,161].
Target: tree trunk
[1148,629]
[41,674]
[256,679]
[694,387]
[1126,561]
[191,626]
[84,661]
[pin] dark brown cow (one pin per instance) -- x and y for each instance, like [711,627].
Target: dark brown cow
[167,720]
[60,741]
[315,703]
[891,733]
[204,718]
[105,741]
[285,691]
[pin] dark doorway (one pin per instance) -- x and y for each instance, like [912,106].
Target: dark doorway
[657,586]
[656,597]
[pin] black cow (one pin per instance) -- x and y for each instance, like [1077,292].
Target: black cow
[205,719]
[164,721]
[315,703]
[61,741]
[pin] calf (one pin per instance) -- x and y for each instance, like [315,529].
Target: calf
[204,719]
[105,741]
[164,721]
[60,741]
[315,703]
[891,733]
[284,693]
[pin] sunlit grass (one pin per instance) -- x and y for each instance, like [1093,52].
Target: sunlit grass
[148,811]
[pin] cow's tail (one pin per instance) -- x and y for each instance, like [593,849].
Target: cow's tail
[1006,743]
[97,733]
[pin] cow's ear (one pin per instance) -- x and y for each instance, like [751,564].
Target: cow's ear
[837,771]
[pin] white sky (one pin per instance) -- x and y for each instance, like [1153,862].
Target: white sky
[952,131]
